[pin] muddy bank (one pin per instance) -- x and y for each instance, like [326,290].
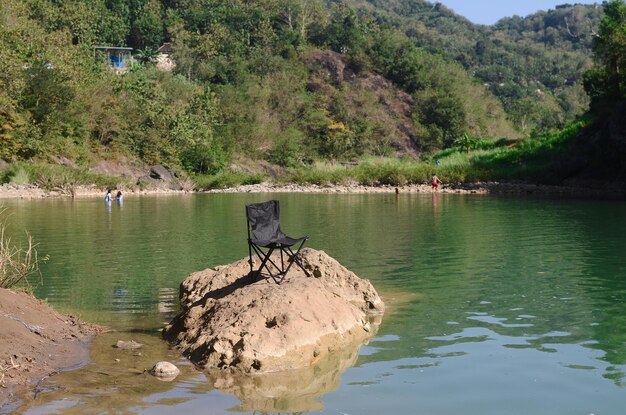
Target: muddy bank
[36,342]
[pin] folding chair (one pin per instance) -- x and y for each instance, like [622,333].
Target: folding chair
[265,237]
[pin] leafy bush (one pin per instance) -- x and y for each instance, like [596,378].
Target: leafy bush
[288,151]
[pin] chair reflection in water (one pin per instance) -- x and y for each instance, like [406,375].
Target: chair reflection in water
[265,237]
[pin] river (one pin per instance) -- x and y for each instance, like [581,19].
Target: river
[496,305]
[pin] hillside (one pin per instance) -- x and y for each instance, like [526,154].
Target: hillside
[244,83]
[533,64]
[277,84]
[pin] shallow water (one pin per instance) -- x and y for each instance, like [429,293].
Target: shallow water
[495,304]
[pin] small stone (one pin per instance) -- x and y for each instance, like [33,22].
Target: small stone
[165,371]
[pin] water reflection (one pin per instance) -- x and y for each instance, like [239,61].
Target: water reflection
[293,391]
[117,380]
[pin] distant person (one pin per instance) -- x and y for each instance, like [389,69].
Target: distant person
[118,197]
[107,198]
[435,182]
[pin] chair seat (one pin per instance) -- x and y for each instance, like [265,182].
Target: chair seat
[284,241]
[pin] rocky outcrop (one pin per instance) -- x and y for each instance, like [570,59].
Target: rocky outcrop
[160,177]
[230,321]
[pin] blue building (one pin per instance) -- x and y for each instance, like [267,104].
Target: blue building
[119,58]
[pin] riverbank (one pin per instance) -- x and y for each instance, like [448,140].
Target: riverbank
[29,191]
[454,188]
[36,342]
[593,190]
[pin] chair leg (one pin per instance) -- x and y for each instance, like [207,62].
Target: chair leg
[265,258]
[280,271]
[294,258]
[250,255]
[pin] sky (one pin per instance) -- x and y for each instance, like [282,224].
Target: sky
[490,11]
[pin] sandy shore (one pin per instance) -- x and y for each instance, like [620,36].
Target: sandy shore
[617,190]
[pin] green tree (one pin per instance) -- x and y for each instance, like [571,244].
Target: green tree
[10,124]
[610,52]
[147,30]
[193,131]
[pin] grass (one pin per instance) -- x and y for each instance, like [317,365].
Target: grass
[21,176]
[67,179]
[224,180]
[532,159]
[17,263]
[56,177]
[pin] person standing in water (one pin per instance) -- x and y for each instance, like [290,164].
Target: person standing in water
[435,182]
[118,197]
[107,198]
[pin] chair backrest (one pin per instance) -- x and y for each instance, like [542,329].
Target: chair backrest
[264,221]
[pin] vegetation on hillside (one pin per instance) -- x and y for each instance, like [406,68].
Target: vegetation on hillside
[292,83]
[533,64]
[606,83]
[241,84]
[548,159]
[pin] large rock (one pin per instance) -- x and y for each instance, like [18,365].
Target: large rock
[160,177]
[229,321]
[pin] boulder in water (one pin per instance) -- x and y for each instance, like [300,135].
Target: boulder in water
[231,321]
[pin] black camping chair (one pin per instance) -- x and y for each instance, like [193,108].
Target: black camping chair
[265,237]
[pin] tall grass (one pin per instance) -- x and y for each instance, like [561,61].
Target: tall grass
[56,177]
[21,176]
[224,180]
[17,263]
[487,160]
[542,159]
[370,172]
[534,158]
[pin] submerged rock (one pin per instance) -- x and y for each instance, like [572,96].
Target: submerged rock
[128,345]
[229,321]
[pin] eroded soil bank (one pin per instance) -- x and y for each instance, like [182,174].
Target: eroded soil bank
[36,342]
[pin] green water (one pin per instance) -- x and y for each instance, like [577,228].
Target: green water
[495,305]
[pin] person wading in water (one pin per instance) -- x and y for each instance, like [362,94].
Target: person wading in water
[435,182]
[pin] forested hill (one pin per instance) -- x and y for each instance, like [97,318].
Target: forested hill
[533,64]
[285,82]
